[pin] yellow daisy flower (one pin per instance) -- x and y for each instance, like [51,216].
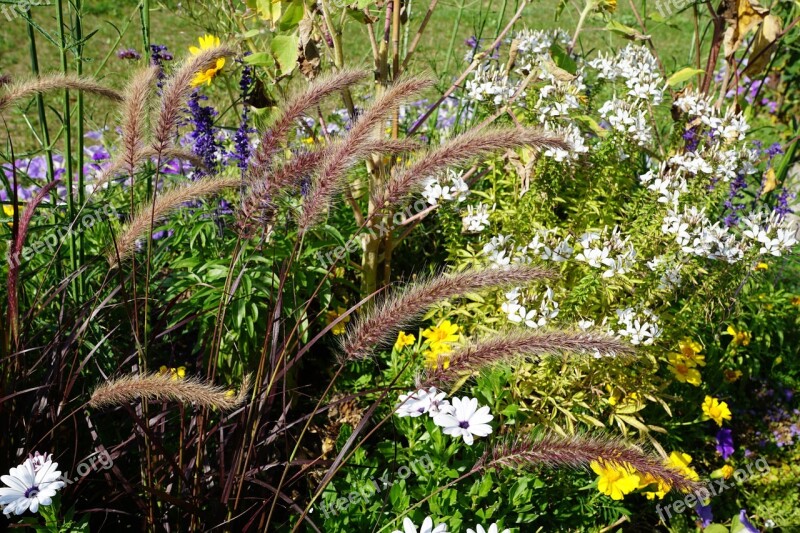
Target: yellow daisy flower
[614,479]
[740,338]
[680,461]
[206,76]
[716,410]
[683,369]
[443,333]
[437,357]
[731,376]
[691,350]
[404,339]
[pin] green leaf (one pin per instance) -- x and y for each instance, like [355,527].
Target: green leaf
[261,59]
[626,31]
[292,16]
[284,49]
[716,528]
[562,60]
[683,75]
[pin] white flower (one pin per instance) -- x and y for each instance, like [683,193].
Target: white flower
[585,324]
[492,529]
[426,527]
[423,401]
[476,219]
[466,421]
[30,485]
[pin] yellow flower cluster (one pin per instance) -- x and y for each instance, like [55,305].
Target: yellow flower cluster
[438,338]
[618,479]
[684,365]
[404,339]
[177,373]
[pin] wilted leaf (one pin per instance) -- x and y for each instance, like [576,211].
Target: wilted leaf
[741,18]
[308,58]
[764,43]
[770,182]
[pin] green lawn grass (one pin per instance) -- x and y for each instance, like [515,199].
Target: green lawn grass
[117,25]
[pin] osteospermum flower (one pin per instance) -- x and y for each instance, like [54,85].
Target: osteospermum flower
[30,485]
[466,420]
[615,480]
[716,410]
[683,369]
[206,43]
[426,527]
[491,529]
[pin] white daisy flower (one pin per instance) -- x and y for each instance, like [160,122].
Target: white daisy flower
[466,421]
[491,529]
[426,527]
[30,485]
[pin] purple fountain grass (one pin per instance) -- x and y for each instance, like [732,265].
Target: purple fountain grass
[177,89]
[164,204]
[578,451]
[161,387]
[458,150]
[349,149]
[296,107]
[507,346]
[381,323]
[119,165]
[15,248]
[42,84]
[134,113]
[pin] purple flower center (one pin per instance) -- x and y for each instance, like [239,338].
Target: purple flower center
[464,424]
[31,492]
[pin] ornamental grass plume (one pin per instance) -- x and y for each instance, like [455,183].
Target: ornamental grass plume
[509,345]
[553,450]
[121,164]
[164,204]
[177,89]
[350,149]
[160,387]
[50,82]
[134,114]
[295,108]
[458,150]
[380,324]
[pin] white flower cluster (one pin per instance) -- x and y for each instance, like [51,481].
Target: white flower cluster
[491,83]
[572,135]
[546,245]
[428,527]
[477,218]
[30,485]
[627,118]
[463,418]
[638,68]
[671,272]
[452,187]
[532,44]
[638,326]
[534,316]
[613,253]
